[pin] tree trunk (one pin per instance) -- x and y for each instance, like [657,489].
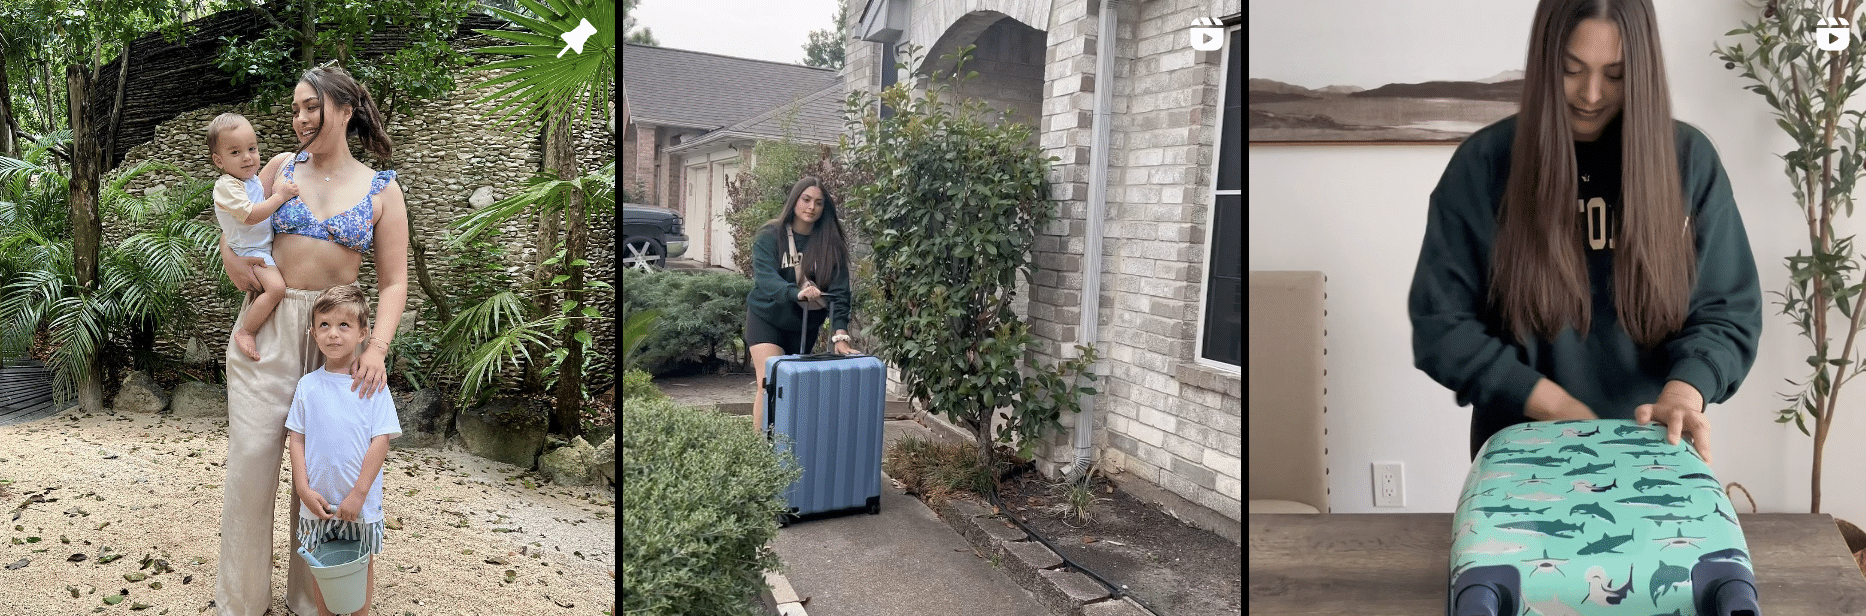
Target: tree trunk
[569,409]
[1820,446]
[116,106]
[308,43]
[87,230]
[9,144]
[546,301]
[421,271]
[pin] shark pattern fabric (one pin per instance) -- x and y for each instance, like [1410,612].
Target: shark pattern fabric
[1594,518]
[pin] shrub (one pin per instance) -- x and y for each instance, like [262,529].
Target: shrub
[639,386]
[937,471]
[700,498]
[701,315]
[952,212]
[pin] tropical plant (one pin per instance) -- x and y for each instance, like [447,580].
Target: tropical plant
[1810,88]
[565,61]
[80,41]
[479,274]
[138,284]
[505,329]
[635,332]
[32,202]
[305,31]
[951,214]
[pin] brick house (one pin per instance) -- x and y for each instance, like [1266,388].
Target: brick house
[692,119]
[1168,303]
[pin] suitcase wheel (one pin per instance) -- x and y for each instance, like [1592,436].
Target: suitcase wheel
[874,505]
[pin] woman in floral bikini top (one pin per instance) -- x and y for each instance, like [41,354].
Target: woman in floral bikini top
[332,113]
[351,228]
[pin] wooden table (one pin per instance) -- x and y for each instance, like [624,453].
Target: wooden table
[1397,563]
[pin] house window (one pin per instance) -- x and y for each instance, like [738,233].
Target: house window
[1221,327]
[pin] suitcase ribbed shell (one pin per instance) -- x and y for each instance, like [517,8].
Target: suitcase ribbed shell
[832,410]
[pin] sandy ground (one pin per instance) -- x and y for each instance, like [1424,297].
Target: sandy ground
[146,485]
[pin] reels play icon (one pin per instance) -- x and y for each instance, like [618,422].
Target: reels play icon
[1832,35]
[1207,35]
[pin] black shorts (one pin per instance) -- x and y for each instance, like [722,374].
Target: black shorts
[760,331]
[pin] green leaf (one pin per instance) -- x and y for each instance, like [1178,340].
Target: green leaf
[560,278]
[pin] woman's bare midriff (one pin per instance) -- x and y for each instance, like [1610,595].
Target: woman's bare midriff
[312,264]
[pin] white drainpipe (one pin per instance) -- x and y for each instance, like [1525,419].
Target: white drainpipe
[1097,209]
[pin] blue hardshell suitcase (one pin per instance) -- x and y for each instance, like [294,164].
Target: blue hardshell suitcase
[1596,518]
[831,408]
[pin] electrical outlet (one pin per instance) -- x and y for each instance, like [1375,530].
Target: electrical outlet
[1388,489]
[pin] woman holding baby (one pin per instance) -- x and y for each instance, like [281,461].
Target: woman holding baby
[343,212]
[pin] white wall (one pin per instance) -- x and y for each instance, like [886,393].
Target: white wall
[1357,213]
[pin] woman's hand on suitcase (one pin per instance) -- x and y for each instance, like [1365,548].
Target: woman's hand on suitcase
[1680,410]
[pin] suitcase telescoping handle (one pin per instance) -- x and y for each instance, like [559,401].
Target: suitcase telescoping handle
[803,337]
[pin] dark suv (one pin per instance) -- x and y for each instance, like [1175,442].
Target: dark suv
[650,236]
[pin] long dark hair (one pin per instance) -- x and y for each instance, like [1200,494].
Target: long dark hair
[334,86]
[828,252]
[1539,277]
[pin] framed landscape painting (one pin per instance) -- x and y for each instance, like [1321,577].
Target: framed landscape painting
[1383,72]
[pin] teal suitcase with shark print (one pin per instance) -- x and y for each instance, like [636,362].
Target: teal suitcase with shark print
[1596,518]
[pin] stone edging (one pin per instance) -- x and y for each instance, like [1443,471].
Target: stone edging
[1065,591]
[780,599]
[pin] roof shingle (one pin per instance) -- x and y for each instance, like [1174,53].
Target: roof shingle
[675,87]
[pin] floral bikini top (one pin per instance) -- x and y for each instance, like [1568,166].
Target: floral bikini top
[351,228]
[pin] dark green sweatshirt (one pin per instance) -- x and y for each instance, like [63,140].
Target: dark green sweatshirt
[1457,339]
[774,283]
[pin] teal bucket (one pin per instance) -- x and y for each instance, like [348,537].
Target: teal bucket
[342,572]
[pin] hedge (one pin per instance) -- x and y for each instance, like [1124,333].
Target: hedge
[701,493]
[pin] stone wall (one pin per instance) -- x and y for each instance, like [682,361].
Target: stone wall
[444,151]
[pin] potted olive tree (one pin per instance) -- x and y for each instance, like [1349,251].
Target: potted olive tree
[1809,87]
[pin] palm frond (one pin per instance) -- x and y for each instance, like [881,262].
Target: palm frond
[485,361]
[484,320]
[549,82]
[542,190]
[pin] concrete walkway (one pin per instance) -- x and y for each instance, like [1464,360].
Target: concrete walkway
[903,561]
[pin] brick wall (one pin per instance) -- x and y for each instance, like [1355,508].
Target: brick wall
[638,159]
[1160,416]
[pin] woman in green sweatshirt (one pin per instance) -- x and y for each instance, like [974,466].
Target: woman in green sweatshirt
[1585,258]
[799,260]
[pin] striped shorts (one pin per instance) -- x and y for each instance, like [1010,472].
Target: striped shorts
[313,532]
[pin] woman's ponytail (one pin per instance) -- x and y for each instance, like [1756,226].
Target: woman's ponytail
[336,87]
[367,124]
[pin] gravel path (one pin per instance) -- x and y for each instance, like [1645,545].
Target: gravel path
[143,486]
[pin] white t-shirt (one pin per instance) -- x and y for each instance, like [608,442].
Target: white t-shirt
[337,428]
[233,200]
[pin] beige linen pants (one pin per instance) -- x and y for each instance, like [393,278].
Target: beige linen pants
[258,396]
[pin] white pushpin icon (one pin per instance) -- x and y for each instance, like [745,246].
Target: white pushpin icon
[576,36]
